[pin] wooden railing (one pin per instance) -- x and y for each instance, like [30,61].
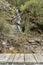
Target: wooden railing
[21,58]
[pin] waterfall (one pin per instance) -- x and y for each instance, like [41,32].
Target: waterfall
[11,48]
[4,43]
[18,20]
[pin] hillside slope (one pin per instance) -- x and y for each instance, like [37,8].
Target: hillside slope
[21,26]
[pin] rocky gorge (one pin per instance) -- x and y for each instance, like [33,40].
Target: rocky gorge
[20,29]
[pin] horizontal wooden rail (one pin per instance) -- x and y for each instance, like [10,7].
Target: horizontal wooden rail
[21,58]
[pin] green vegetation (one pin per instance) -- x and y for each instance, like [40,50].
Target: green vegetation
[17,3]
[4,26]
[31,15]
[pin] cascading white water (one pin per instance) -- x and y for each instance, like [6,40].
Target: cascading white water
[18,20]
[11,48]
[4,44]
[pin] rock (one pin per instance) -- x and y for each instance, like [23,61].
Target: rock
[34,43]
[42,48]
[41,43]
[31,41]
[38,40]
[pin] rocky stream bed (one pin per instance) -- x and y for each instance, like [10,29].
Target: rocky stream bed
[19,44]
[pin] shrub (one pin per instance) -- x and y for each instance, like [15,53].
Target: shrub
[32,13]
[5,27]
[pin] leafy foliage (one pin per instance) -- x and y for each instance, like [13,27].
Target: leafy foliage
[17,3]
[5,27]
[32,14]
